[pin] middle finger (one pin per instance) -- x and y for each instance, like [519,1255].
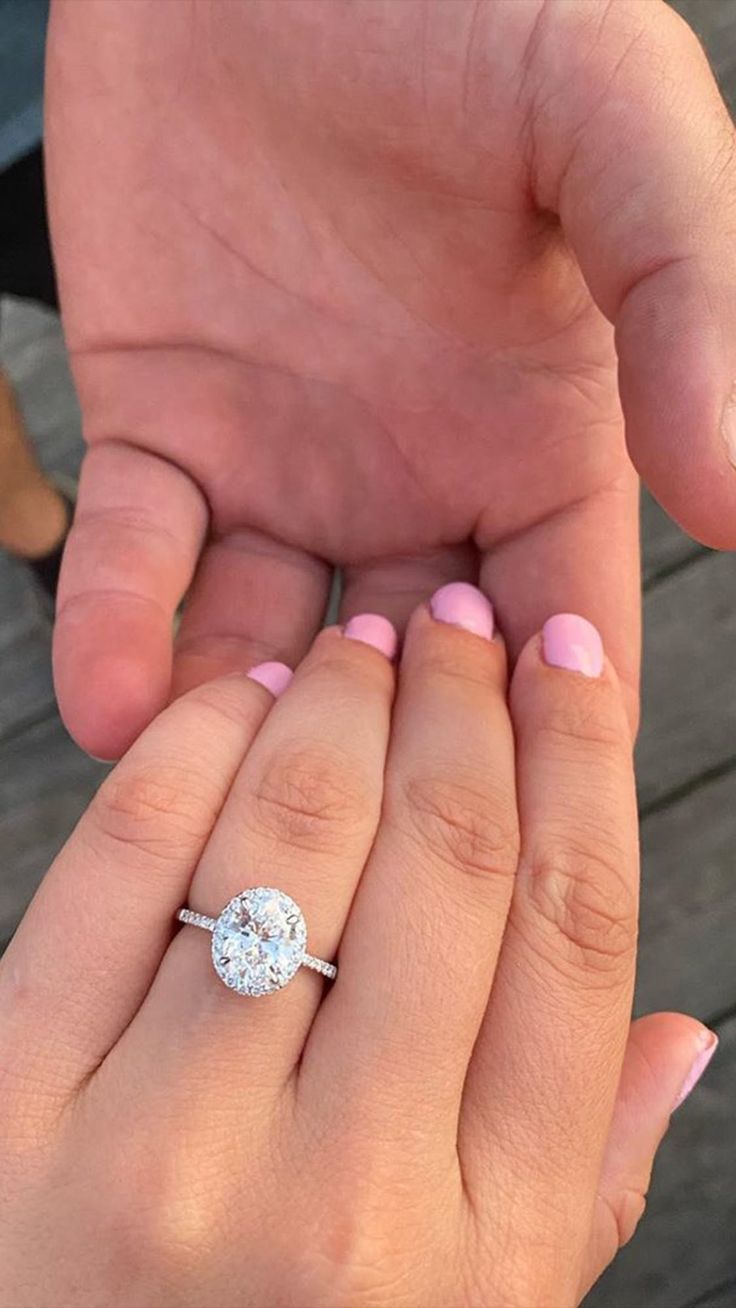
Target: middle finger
[421,944]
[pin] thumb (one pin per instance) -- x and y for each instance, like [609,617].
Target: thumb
[637,156]
[666,1055]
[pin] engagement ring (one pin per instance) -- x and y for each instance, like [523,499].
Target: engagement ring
[259,941]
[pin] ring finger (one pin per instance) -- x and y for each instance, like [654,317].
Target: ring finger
[301,817]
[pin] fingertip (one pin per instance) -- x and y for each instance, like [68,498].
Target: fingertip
[375,630]
[108,697]
[567,643]
[436,638]
[677,371]
[459,604]
[273,676]
[667,1054]
[704,1047]
[564,677]
[104,722]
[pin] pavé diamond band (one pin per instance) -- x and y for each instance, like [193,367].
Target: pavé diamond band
[259,941]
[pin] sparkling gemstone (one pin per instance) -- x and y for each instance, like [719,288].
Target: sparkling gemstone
[259,941]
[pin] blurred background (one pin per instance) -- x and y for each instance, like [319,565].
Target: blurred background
[684,1255]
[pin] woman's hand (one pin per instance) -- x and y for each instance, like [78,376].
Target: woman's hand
[446,1125]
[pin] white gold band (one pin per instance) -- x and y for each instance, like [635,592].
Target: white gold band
[196,919]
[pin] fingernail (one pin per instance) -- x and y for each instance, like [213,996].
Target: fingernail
[462,605]
[274,676]
[372,629]
[728,425]
[573,643]
[708,1046]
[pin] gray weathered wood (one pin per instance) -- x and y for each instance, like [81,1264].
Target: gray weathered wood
[45,785]
[663,545]
[689,683]
[687,958]
[723,1296]
[26,692]
[33,355]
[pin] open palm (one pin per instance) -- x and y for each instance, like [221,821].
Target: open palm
[338,282]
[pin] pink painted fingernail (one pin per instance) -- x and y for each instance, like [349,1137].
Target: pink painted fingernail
[372,629]
[462,605]
[573,643]
[708,1045]
[274,676]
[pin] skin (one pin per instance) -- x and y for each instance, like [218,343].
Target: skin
[349,286]
[33,516]
[442,1125]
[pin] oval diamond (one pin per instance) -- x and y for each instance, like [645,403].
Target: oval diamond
[259,941]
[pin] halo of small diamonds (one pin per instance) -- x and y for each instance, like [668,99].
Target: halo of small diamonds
[259,941]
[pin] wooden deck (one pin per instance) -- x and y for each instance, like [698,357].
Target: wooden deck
[685,1253]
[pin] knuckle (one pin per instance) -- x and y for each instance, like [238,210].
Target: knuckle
[623,1212]
[156,809]
[349,666]
[436,663]
[357,1251]
[462,823]
[165,1216]
[582,894]
[588,724]
[312,797]
[215,703]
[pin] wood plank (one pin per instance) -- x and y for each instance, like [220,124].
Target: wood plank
[687,959]
[689,684]
[685,1246]
[723,1296]
[34,356]
[46,783]
[24,322]
[664,545]
[26,690]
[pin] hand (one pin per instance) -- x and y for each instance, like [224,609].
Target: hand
[339,284]
[443,1126]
